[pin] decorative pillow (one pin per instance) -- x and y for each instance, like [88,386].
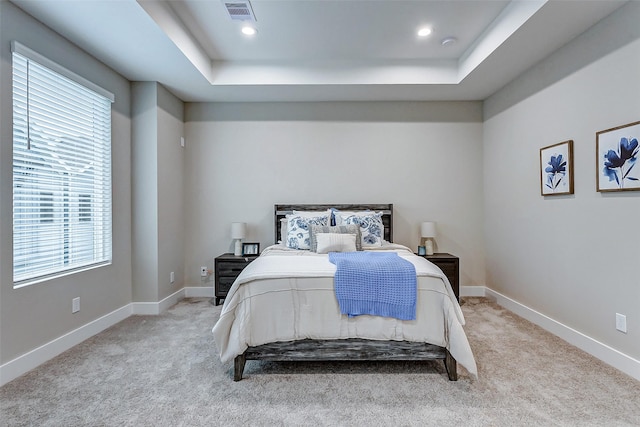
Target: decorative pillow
[283,230]
[340,229]
[333,212]
[370,223]
[335,242]
[336,215]
[298,226]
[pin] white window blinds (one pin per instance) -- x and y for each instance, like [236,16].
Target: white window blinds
[61,171]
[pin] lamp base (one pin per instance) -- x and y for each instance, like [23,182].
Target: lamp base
[429,246]
[238,248]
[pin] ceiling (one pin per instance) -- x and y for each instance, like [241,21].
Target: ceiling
[322,50]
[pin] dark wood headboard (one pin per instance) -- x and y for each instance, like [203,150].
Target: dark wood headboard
[281,212]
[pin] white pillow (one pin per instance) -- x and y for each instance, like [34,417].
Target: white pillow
[338,229]
[283,230]
[334,242]
[370,223]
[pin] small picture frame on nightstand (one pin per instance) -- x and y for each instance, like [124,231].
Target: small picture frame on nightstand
[422,251]
[250,249]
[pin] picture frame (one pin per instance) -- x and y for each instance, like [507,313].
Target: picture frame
[616,154]
[422,251]
[251,249]
[556,169]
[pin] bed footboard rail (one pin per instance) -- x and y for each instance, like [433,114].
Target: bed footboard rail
[341,350]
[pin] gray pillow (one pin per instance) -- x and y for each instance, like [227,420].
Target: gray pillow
[338,229]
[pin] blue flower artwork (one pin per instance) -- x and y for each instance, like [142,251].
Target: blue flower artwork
[556,169]
[618,151]
[618,164]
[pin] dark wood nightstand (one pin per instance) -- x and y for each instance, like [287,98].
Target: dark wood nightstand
[450,266]
[227,267]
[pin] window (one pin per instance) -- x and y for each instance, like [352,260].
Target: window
[61,170]
[46,206]
[84,213]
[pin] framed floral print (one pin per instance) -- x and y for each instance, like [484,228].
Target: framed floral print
[616,154]
[556,169]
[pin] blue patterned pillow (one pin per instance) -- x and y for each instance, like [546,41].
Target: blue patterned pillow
[371,226]
[299,227]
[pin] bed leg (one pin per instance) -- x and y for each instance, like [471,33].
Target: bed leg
[238,367]
[452,366]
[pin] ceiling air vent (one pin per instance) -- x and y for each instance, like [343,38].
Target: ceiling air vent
[240,10]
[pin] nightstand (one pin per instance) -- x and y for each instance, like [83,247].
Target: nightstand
[227,267]
[450,266]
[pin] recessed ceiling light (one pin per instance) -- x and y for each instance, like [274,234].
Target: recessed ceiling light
[248,30]
[448,41]
[424,32]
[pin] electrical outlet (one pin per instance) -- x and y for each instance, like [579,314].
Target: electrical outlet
[203,271]
[621,322]
[75,305]
[172,277]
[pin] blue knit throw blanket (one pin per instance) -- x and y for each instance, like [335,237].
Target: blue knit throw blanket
[381,284]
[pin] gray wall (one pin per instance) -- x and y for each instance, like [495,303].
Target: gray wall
[241,159]
[573,258]
[171,193]
[34,315]
[158,170]
[144,192]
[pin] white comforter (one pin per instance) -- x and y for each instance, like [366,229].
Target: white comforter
[287,295]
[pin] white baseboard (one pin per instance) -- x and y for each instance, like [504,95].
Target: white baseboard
[609,355]
[472,291]
[155,308]
[28,361]
[199,292]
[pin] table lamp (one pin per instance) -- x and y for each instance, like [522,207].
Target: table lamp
[238,232]
[428,232]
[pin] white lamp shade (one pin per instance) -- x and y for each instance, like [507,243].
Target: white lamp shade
[428,229]
[238,230]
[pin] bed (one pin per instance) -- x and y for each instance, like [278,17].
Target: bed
[283,307]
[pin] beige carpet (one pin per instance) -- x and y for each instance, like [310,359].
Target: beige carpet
[163,371]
